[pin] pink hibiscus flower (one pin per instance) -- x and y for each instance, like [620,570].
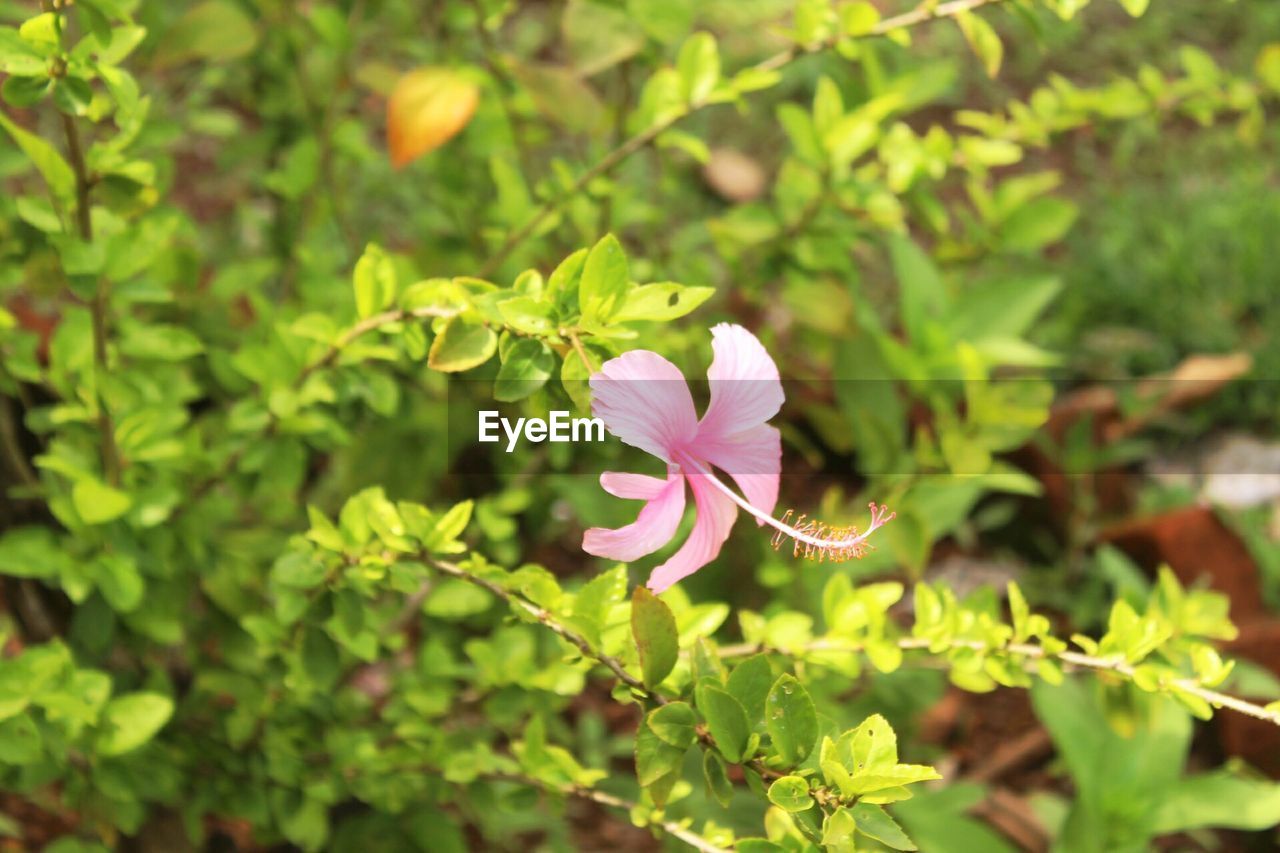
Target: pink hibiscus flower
[644,400]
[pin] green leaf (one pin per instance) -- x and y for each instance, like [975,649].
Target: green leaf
[661,302]
[873,746]
[858,19]
[850,137]
[98,503]
[214,31]
[838,830]
[725,718]
[374,280]
[791,793]
[1038,223]
[308,825]
[464,343]
[454,599]
[41,31]
[1003,308]
[1218,799]
[528,315]
[655,758]
[449,527]
[1267,66]
[20,58]
[593,602]
[159,342]
[983,40]
[575,374]
[657,640]
[48,162]
[25,92]
[749,683]
[716,776]
[674,724]
[32,552]
[298,569]
[874,822]
[923,294]
[72,95]
[699,67]
[791,719]
[758,845]
[119,582]
[130,721]
[526,369]
[599,36]
[20,741]
[605,280]
[664,20]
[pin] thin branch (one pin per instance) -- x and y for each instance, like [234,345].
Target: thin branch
[919,15]
[1079,660]
[101,302]
[13,447]
[506,85]
[673,829]
[821,793]
[545,618]
[581,351]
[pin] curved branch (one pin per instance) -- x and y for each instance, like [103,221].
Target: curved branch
[671,828]
[546,620]
[611,160]
[1078,660]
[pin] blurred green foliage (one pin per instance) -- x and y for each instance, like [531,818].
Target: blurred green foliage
[252,580]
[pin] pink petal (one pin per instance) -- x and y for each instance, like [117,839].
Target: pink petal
[714,520]
[653,527]
[745,388]
[640,487]
[644,401]
[753,458]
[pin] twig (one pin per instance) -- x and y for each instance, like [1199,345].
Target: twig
[12,447]
[673,829]
[101,302]
[822,794]
[581,351]
[1115,665]
[545,618]
[640,140]
[506,84]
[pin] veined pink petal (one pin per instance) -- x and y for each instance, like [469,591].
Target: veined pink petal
[753,458]
[715,514]
[653,527]
[644,401]
[745,387]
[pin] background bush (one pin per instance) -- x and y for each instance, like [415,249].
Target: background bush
[261,261]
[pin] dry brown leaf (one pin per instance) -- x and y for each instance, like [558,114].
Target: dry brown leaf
[427,108]
[734,176]
[1196,378]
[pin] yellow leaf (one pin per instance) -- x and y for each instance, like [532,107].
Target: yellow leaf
[427,108]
